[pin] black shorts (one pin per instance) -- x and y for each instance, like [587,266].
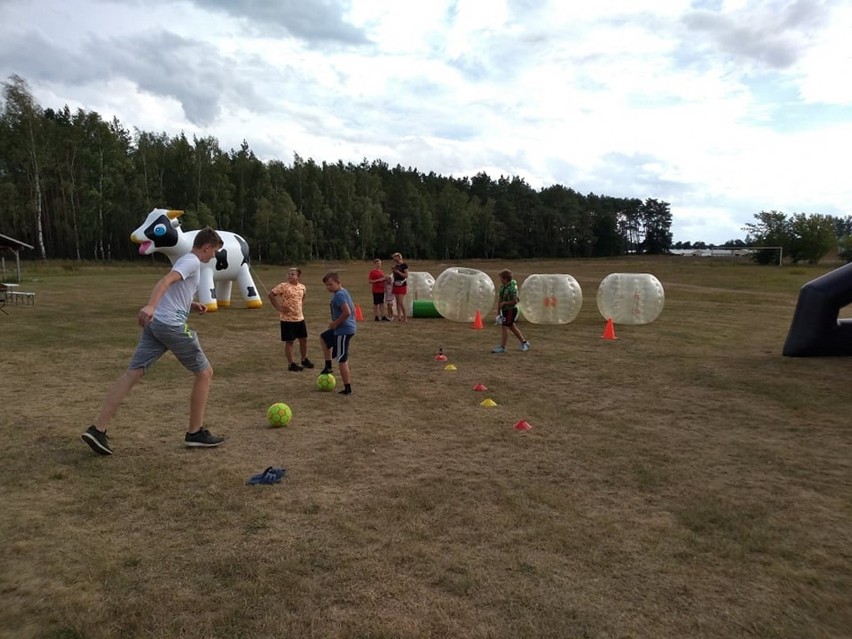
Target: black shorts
[378,298]
[509,316]
[339,345]
[291,331]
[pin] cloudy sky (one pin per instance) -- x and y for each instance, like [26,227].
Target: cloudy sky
[722,108]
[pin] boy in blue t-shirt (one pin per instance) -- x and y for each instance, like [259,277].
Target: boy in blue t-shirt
[507,307]
[335,340]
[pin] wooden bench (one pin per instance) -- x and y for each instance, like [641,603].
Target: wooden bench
[22,297]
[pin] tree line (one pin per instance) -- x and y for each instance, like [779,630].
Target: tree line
[802,238]
[75,186]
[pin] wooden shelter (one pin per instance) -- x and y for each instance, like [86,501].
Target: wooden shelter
[11,245]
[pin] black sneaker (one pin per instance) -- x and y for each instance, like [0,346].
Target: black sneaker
[325,371]
[306,363]
[345,391]
[97,440]
[294,367]
[202,439]
[386,319]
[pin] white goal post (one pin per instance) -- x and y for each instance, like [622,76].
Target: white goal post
[738,251]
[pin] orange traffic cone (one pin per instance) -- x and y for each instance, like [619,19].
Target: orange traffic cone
[359,316]
[609,331]
[477,321]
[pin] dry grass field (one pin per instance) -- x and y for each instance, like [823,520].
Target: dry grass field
[685,480]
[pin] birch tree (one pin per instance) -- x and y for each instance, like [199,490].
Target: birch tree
[24,119]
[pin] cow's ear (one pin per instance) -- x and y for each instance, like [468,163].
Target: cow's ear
[174,216]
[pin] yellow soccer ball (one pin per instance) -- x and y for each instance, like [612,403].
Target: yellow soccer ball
[279,414]
[326,382]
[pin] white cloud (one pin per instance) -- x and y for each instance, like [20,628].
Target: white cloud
[721,109]
[696,224]
[824,69]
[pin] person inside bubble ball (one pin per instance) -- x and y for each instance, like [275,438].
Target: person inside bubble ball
[507,307]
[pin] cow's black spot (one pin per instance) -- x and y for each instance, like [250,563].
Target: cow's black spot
[221,259]
[244,249]
[161,232]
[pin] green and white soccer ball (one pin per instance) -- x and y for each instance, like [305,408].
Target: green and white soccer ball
[279,414]
[326,382]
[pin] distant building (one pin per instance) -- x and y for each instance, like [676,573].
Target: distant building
[11,245]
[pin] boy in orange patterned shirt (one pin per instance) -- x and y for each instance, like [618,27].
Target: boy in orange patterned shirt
[288,298]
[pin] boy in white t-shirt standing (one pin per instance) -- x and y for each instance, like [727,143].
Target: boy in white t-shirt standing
[163,321]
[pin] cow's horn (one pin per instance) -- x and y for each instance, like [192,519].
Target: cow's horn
[173,214]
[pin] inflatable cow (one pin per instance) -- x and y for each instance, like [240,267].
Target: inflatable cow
[161,233]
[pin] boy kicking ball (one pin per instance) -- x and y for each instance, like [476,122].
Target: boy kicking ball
[164,328]
[335,340]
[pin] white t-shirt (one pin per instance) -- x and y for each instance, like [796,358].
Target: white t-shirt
[176,303]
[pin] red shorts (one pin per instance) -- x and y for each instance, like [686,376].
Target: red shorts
[400,290]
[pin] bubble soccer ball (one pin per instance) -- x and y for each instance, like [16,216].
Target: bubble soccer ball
[550,298]
[278,415]
[631,298]
[420,285]
[326,382]
[460,292]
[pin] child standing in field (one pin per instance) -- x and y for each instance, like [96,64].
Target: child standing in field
[163,321]
[389,296]
[400,285]
[507,307]
[335,340]
[288,299]
[377,288]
